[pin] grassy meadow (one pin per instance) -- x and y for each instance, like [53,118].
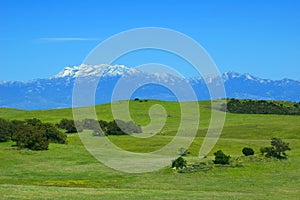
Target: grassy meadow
[68,171]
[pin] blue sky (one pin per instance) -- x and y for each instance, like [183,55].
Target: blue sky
[39,38]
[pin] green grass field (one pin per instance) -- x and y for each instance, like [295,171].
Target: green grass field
[70,172]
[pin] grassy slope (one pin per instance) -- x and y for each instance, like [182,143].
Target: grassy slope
[73,173]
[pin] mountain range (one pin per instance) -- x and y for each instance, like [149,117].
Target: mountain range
[56,91]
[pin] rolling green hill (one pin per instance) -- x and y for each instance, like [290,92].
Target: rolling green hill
[70,172]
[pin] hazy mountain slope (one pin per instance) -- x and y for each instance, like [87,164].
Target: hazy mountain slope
[56,91]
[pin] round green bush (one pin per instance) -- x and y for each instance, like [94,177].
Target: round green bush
[221,158]
[248,151]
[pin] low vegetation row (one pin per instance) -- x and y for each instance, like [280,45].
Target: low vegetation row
[101,127]
[277,150]
[262,107]
[35,135]
[31,133]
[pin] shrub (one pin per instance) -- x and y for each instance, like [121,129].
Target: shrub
[69,126]
[103,124]
[90,124]
[33,121]
[53,134]
[16,125]
[112,128]
[277,150]
[101,127]
[5,130]
[31,133]
[267,151]
[179,163]
[221,158]
[128,127]
[32,138]
[248,151]
[119,127]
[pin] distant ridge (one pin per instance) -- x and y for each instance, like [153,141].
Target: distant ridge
[56,91]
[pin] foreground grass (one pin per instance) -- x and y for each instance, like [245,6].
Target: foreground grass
[41,192]
[70,172]
[37,175]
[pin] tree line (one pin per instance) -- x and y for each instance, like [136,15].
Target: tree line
[31,133]
[261,107]
[100,127]
[35,135]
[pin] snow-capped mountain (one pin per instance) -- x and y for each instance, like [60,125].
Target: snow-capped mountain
[84,70]
[56,91]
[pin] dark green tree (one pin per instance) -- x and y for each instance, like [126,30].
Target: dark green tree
[119,127]
[179,163]
[103,124]
[221,158]
[32,138]
[16,125]
[33,121]
[90,124]
[5,130]
[113,129]
[69,126]
[52,133]
[128,127]
[248,151]
[277,150]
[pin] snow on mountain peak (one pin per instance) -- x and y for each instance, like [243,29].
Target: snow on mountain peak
[85,70]
[230,75]
[233,75]
[249,77]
